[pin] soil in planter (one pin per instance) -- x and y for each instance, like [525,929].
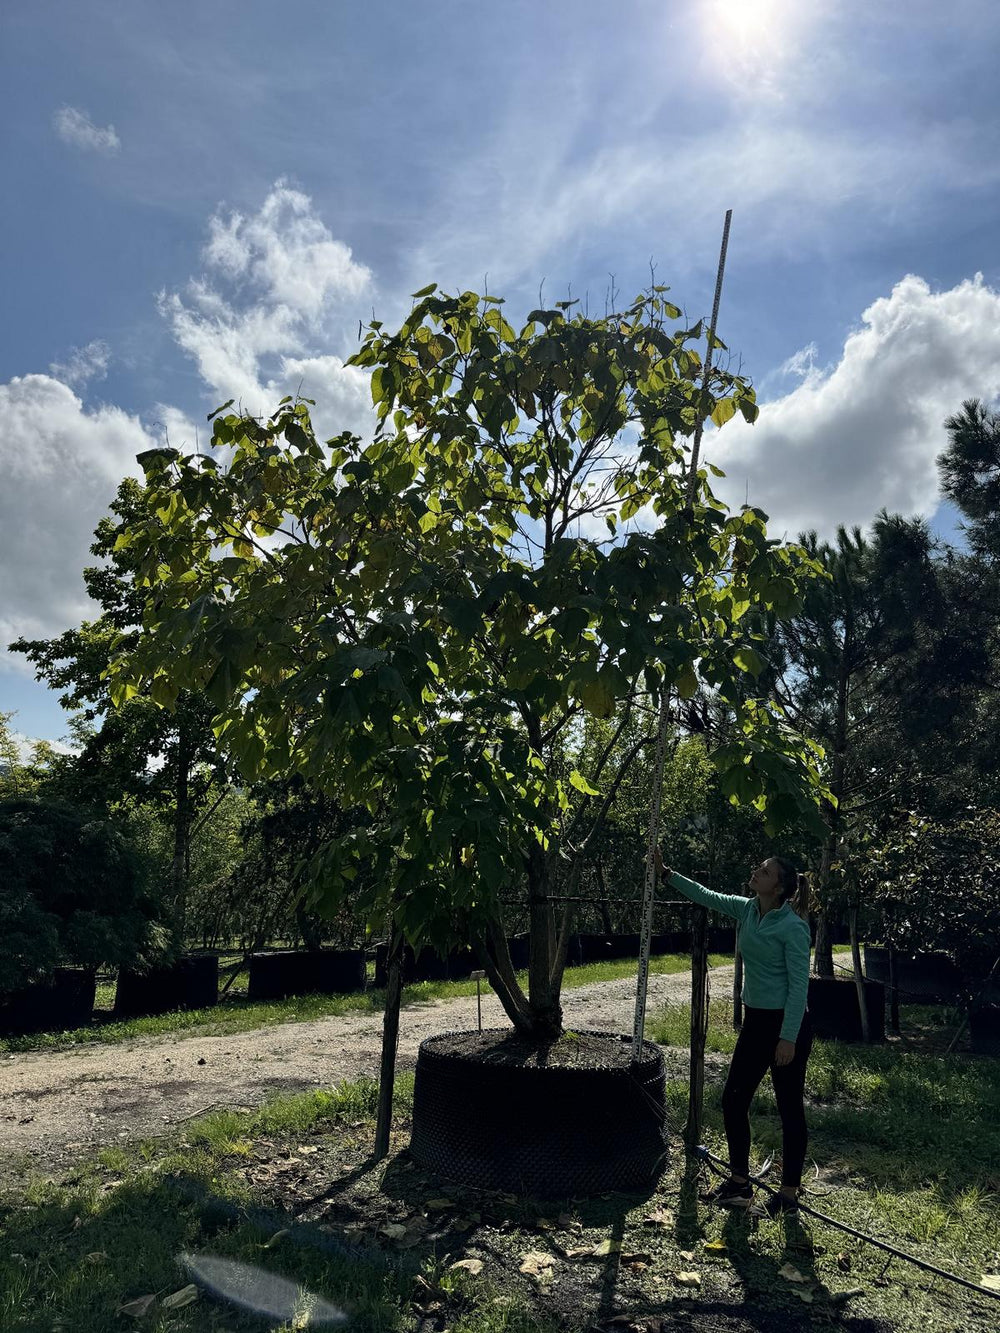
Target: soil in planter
[190,983]
[584,1050]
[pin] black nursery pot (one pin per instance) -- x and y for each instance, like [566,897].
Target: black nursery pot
[190,983]
[65,1003]
[284,972]
[926,978]
[492,1111]
[833,1008]
[984,1029]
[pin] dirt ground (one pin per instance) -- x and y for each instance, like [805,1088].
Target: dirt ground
[57,1106]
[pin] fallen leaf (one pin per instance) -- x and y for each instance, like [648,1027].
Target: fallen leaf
[544,1223]
[804,1295]
[537,1263]
[688,1279]
[178,1299]
[844,1262]
[278,1235]
[436,1205]
[96,1257]
[636,1267]
[393,1230]
[687,1255]
[605,1247]
[660,1217]
[582,1253]
[638,1258]
[307,1148]
[138,1308]
[991,1281]
[716,1247]
[473,1266]
[790,1273]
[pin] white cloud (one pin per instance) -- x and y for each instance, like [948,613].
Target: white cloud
[865,433]
[76,128]
[61,465]
[84,364]
[286,277]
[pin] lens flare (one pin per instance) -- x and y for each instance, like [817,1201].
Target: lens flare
[259,1292]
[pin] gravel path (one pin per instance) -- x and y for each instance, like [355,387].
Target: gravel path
[56,1105]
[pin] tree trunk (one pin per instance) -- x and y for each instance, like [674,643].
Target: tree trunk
[859,977]
[182,832]
[543,997]
[390,1041]
[824,943]
[603,906]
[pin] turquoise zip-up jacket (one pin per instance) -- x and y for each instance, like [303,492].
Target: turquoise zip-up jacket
[775,949]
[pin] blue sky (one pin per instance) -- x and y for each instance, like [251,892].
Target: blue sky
[205,198]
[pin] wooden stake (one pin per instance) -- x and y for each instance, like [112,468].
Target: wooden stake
[859,978]
[699,1026]
[390,1041]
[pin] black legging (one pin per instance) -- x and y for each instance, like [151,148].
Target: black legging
[752,1058]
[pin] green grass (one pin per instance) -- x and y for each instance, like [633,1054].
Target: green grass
[886,1126]
[237,1014]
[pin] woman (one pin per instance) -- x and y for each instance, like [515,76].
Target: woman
[776,1033]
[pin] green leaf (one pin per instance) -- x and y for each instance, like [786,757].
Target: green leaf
[748,660]
[687,683]
[228,403]
[725,408]
[578,781]
[425,291]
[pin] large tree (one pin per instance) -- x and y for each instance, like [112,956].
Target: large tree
[410,624]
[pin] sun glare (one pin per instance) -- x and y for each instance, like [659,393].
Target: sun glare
[750,40]
[745,20]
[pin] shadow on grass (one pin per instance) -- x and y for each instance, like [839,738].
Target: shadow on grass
[72,1266]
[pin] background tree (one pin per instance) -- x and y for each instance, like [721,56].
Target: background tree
[411,624]
[878,665]
[72,891]
[116,746]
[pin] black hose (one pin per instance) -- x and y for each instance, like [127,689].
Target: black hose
[702,1152]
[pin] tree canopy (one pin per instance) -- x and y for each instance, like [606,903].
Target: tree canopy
[410,624]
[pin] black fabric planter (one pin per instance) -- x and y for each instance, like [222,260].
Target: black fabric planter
[427,965]
[721,939]
[927,978]
[984,1029]
[338,971]
[275,976]
[671,941]
[519,947]
[60,1005]
[833,1008]
[538,1131]
[190,983]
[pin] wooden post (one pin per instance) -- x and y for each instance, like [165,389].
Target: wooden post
[737,985]
[699,1026]
[859,977]
[390,1041]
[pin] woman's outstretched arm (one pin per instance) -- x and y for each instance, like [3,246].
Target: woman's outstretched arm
[729,904]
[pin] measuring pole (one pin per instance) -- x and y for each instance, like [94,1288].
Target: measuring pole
[699,939]
[654,817]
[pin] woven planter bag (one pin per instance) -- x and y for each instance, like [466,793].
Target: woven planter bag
[535,1130]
